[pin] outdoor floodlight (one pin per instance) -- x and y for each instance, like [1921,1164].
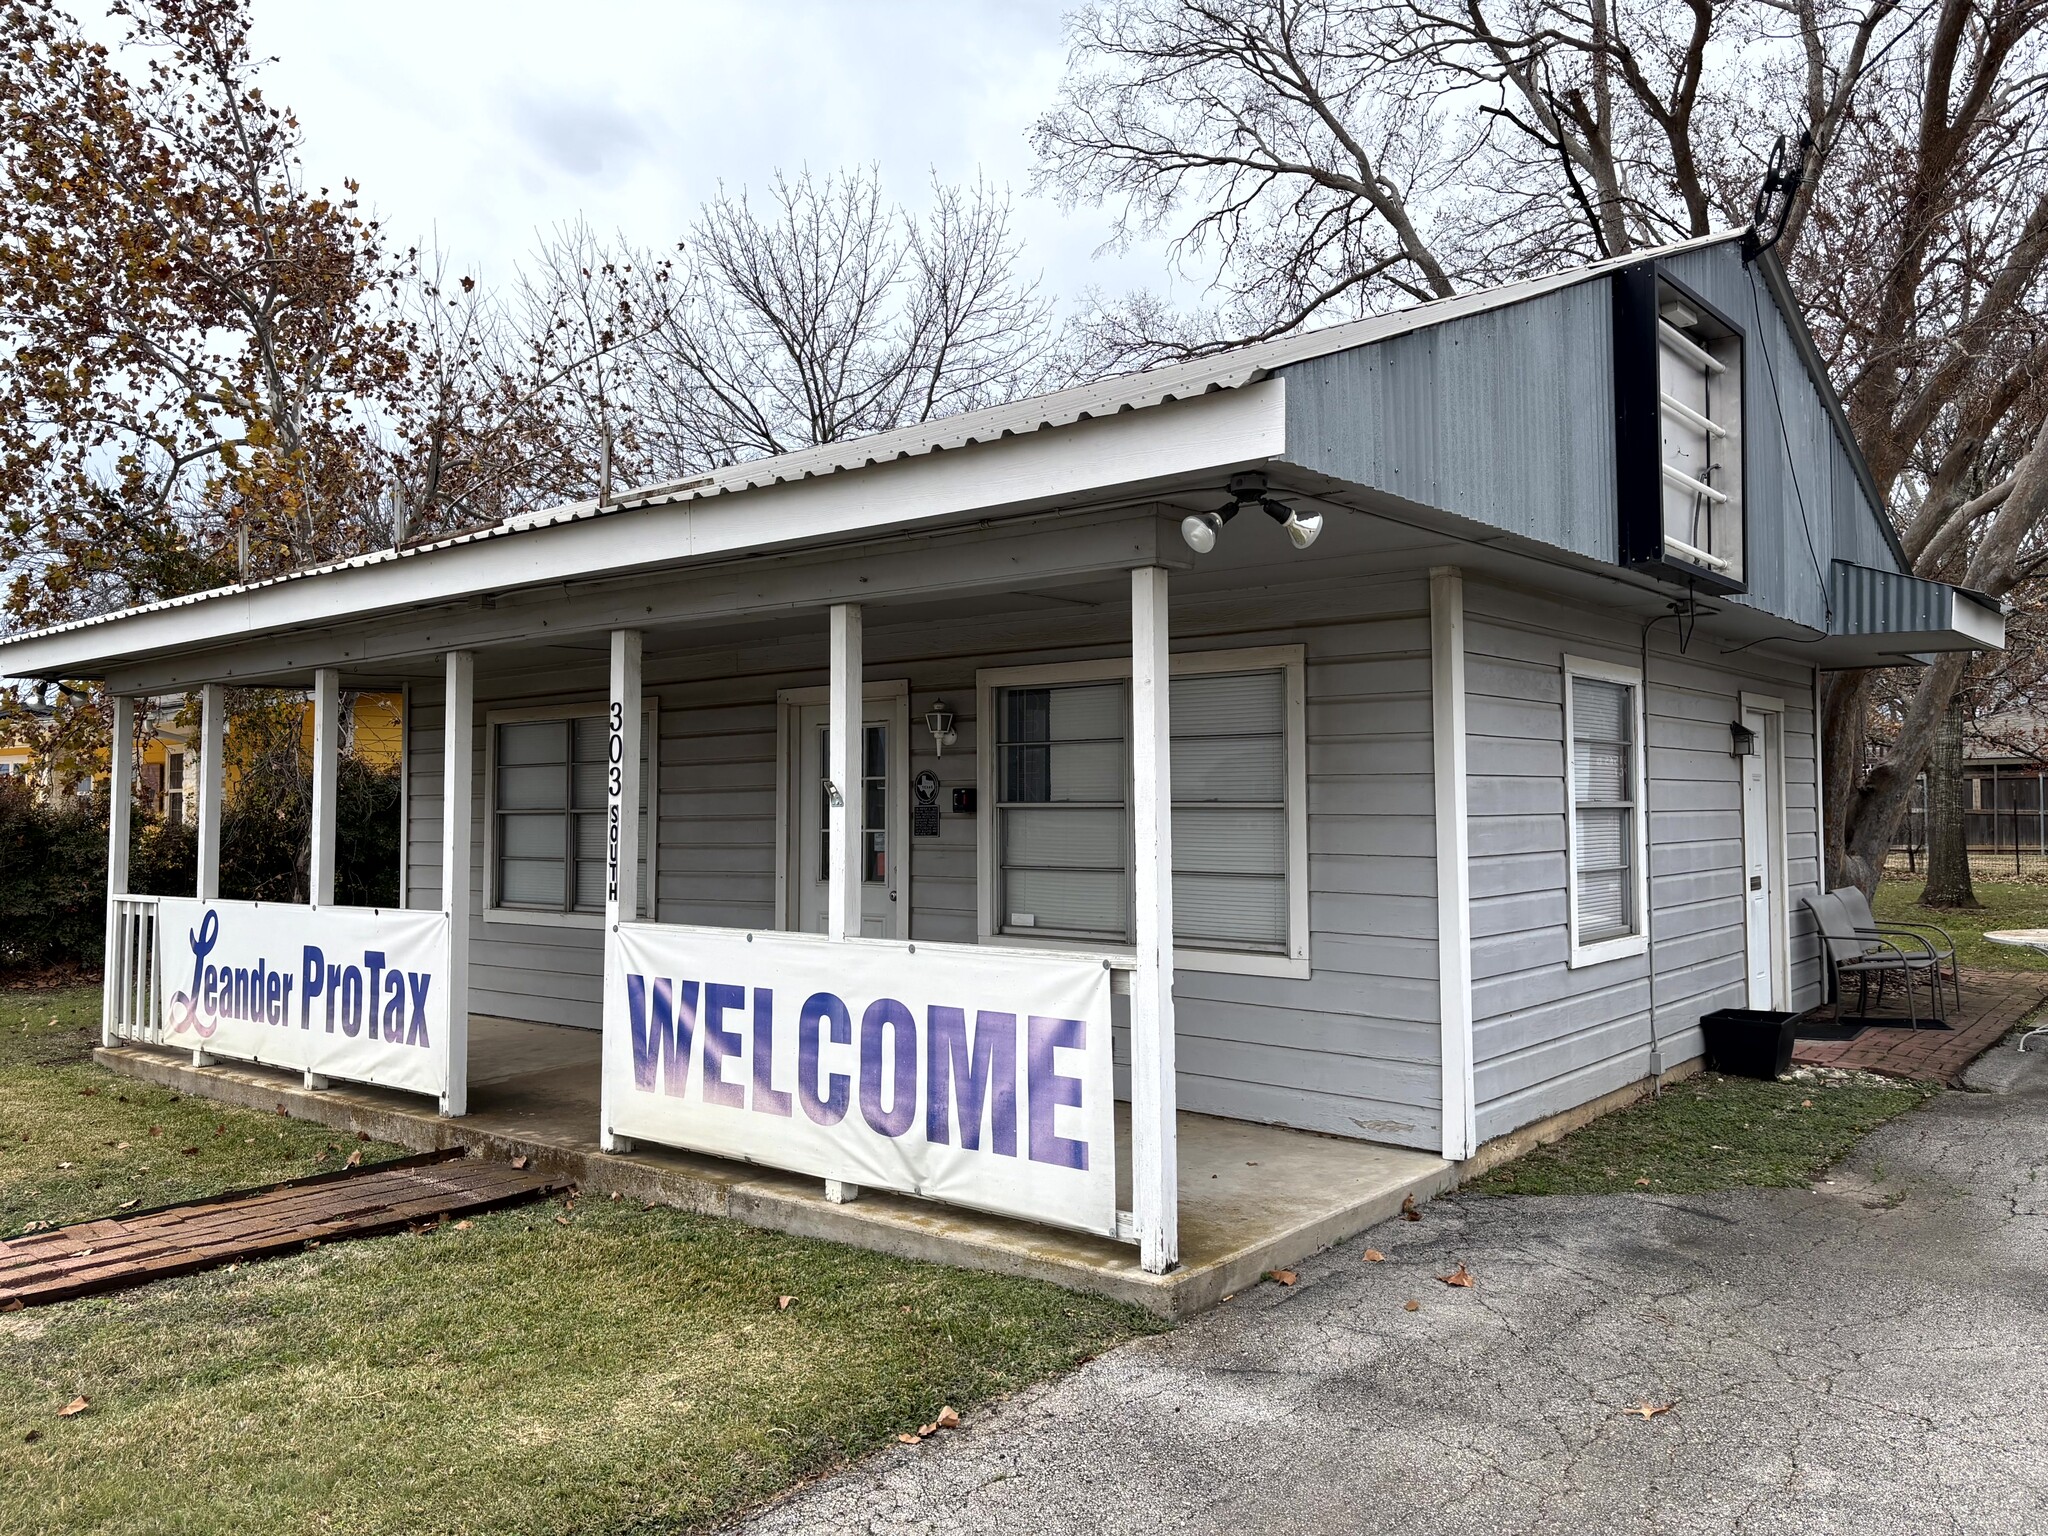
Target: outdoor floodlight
[1199,529]
[1302,530]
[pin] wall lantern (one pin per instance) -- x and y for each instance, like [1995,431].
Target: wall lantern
[1742,740]
[1199,529]
[939,721]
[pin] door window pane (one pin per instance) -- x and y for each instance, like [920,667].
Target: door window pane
[874,805]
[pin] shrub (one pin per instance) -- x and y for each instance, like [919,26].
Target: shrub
[53,857]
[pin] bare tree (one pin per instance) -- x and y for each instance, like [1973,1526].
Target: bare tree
[1309,156]
[832,313]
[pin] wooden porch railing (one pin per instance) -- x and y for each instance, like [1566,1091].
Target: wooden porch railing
[132,1007]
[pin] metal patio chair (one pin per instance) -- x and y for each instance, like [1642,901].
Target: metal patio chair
[1864,956]
[1857,906]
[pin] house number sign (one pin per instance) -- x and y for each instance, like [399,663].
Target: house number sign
[615,781]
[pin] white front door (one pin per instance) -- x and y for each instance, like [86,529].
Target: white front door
[877,799]
[1763,823]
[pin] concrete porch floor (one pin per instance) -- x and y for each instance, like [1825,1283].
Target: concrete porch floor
[1252,1197]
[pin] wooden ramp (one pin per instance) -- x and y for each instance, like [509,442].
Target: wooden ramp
[136,1248]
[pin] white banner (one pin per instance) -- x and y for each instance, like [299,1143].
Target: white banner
[976,1076]
[348,992]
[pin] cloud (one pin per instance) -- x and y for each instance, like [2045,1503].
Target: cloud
[581,141]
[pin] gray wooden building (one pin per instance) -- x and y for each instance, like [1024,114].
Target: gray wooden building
[1418,713]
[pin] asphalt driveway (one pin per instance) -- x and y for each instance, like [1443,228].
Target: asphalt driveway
[1870,1355]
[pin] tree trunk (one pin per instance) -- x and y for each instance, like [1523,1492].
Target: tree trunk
[1948,852]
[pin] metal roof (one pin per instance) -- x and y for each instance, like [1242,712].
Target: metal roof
[1109,397]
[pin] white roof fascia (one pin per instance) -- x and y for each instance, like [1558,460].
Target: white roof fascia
[1225,429]
[1129,395]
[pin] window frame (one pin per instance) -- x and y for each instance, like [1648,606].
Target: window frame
[174,787]
[493,911]
[1292,662]
[1639,293]
[1637,940]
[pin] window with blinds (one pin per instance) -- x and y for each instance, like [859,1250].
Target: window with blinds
[1062,810]
[1604,829]
[548,798]
[1062,828]
[1230,810]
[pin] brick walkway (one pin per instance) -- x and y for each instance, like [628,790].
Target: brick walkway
[1993,1002]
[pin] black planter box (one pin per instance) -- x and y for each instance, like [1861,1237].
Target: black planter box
[1749,1042]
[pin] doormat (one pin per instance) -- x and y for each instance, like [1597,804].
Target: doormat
[1848,1029]
[1855,1023]
[114,1253]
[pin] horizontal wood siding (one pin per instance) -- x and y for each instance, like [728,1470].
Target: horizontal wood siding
[1548,1037]
[1350,1050]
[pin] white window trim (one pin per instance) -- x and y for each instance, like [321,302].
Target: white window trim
[894,692]
[650,708]
[1637,942]
[1290,659]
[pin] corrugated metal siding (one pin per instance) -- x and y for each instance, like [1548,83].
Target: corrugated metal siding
[1499,417]
[1507,418]
[1352,1050]
[1881,602]
[1548,1037]
[1808,508]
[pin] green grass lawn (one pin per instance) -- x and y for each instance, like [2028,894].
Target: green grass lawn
[1712,1132]
[2002,904]
[588,1367]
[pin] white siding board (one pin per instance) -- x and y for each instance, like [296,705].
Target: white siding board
[1351,1050]
[1547,1036]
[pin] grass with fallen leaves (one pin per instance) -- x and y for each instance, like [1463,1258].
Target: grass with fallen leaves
[1712,1132]
[552,1368]
[77,1142]
[2001,904]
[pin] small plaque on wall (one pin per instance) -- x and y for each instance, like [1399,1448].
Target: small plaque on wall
[924,809]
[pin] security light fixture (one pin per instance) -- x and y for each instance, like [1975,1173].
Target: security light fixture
[939,721]
[1742,740]
[1199,529]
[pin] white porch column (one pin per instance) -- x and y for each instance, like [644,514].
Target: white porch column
[622,838]
[213,727]
[458,723]
[117,968]
[212,738]
[1155,1160]
[1453,863]
[326,772]
[843,799]
[842,769]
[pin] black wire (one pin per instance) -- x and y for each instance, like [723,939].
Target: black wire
[1827,597]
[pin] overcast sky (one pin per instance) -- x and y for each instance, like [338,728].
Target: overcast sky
[479,121]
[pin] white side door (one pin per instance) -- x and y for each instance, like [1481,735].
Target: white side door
[1761,863]
[882,913]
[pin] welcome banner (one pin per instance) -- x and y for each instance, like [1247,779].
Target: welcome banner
[347,992]
[976,1076]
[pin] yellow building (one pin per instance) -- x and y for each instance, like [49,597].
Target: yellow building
[372,729]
